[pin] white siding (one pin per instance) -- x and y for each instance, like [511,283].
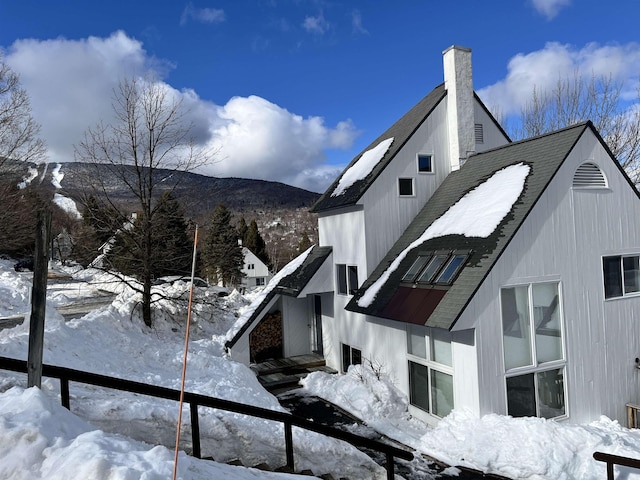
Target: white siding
[493,136]
[564,238]
[387,214]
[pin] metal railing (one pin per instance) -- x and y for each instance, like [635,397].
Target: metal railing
[612,460]
[66,375]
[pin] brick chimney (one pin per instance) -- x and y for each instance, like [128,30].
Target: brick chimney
[458,82]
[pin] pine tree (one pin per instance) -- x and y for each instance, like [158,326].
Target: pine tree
[222,255]
[242,229]
[254,242]
[170,243]
[170,239]
[305,242]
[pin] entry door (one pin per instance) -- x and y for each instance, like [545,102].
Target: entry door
[316,326]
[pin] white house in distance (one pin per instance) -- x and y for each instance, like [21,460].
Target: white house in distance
[500,277]
[256,273]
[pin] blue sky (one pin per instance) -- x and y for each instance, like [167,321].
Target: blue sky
[292,90]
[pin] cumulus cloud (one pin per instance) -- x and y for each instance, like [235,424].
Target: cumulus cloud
[543,69]
[202,15]
[259,139]
[71,85]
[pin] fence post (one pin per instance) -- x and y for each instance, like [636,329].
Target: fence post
[38,299]
[64,393]
[288,440]
[195,429]
[390,475]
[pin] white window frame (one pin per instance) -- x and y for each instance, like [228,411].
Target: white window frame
[425,172]
[429,363]
[348,268]
[536,368]
[413,187]
[623,285]
[348,362]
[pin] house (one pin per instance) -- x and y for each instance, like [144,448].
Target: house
[255,271]
[497,276]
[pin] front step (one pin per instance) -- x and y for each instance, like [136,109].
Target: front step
[285,373]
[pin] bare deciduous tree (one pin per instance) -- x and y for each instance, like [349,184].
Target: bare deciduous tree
[147,148]
[18,130]
[598,99]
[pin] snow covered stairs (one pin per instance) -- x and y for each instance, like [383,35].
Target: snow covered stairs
[283,374]
[267,468]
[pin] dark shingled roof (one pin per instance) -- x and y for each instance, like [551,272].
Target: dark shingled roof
[401,131]
[544,155]
[291,285]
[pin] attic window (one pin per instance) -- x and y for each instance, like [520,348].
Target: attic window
[435,268]
[425,163]
[479,129]
[405,187]
[589,175]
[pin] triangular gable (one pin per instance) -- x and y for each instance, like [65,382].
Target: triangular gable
[542,155]
[289,281]
[400,132]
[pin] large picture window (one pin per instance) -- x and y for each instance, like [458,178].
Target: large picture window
[621,275]
[430,369]
[533,350]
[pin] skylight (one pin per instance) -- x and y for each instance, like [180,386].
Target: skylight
[476,214]
[362,167]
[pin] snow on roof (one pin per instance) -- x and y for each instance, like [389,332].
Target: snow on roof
[288,269]
[362,167]
[477,214]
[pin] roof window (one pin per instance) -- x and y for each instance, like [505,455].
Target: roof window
[440,268]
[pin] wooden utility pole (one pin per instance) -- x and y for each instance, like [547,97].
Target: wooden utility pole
[38,298]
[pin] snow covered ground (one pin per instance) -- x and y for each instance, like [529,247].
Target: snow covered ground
[114,435]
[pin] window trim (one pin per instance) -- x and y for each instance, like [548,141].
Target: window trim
[413,187]
[349,270]
[426,259]
[430,364]
[344,365]
[536,367]
[431,166]
[622,277]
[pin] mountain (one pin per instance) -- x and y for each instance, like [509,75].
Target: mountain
[281,211]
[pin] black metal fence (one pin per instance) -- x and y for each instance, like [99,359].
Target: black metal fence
[66,375]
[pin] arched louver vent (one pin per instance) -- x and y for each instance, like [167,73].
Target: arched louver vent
[589,175]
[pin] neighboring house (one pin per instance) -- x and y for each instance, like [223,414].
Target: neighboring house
[482,274]
[256,272]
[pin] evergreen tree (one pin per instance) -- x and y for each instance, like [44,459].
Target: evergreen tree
[222,255]
[170,243]
[242,229]
[305,242]
[170,239]
[254,242]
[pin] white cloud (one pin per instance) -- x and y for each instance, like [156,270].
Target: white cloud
[71,84]
[356,23]
[543,69]
[550,8]
[259,139]
[317,24]
[202,15]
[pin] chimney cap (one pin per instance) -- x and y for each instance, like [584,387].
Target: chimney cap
[457,47]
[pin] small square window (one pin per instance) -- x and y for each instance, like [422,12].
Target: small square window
[405,187]
[425,163]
